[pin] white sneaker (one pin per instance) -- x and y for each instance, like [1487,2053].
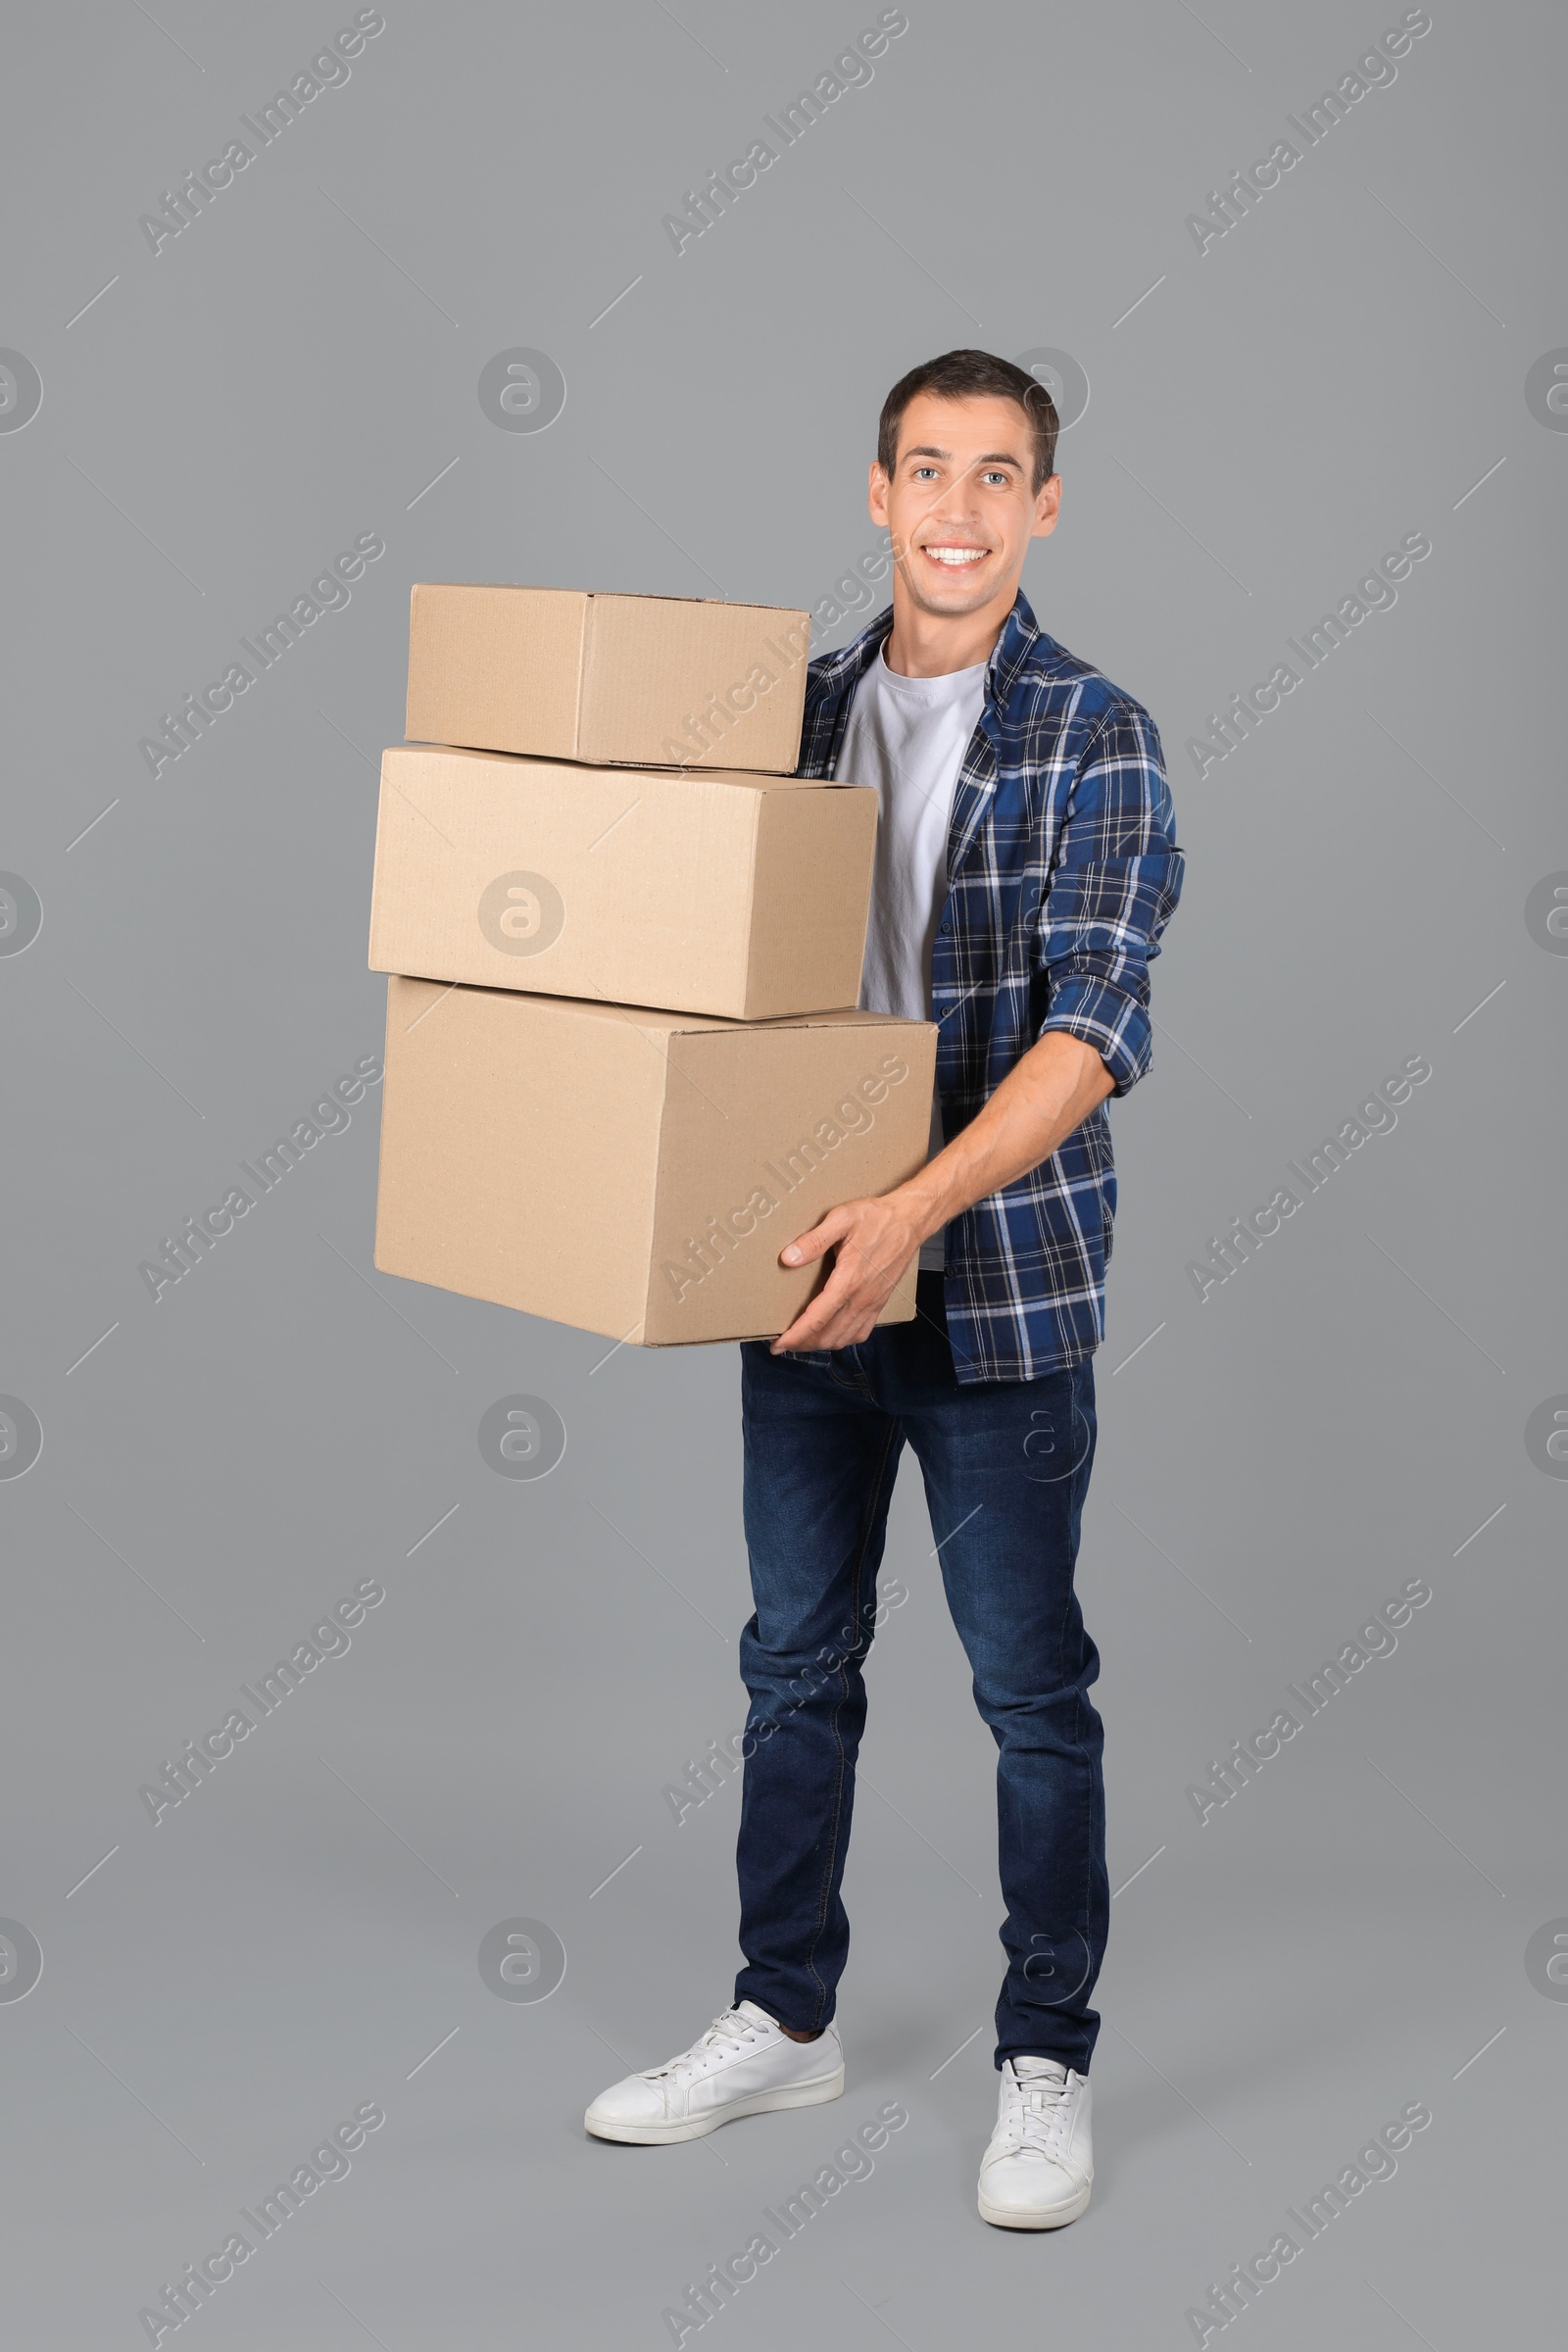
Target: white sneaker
[1040,2167]
[743,2064]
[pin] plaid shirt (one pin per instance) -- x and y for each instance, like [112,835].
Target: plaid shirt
[1063,871]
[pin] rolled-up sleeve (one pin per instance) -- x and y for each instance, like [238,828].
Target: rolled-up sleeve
[1113,887]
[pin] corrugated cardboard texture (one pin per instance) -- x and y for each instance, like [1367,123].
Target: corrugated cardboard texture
[802,1116]
[495,667]
[519,1153]
[810,909]
[638,680]
[712,891]
[630,1172]
[709,684]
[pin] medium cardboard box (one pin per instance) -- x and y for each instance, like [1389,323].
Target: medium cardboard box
[717,892]
[649,681]
[635,1173]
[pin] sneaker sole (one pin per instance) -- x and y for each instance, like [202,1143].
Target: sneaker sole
[1007,2217]
[761,2102]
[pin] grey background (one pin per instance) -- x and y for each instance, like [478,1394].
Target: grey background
[293,371]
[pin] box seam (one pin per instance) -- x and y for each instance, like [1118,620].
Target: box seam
[749,980]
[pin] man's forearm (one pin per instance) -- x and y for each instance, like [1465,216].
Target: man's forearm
[1039,1103]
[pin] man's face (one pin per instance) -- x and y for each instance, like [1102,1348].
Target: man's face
[961,503]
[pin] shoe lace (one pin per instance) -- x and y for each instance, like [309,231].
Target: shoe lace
[726,2035]
[1037,2112]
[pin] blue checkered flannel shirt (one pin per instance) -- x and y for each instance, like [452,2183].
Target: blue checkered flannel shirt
[1063,871]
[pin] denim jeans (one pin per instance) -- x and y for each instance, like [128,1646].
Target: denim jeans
[1007,1467]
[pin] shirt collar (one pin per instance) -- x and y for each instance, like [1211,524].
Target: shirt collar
[1020,634]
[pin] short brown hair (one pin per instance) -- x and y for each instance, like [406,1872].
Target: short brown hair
[962,375]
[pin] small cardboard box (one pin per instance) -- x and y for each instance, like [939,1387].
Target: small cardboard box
[723,893]
[635,1173]
[648,681]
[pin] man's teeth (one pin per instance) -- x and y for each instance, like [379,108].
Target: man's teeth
[957,554]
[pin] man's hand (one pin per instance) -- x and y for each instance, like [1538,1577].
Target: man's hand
[874,1241]
[1041,1100]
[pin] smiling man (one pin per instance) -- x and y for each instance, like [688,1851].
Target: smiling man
[1026,866]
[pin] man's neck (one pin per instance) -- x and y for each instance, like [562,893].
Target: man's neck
[932,645]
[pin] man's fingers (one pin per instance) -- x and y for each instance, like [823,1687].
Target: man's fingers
[866,1262]
[811,1325]
[812,1321]
[812,1246]
[839,1316]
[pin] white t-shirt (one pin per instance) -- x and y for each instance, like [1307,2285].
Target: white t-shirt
[908,737]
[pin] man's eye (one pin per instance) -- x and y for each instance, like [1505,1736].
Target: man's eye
[995,478]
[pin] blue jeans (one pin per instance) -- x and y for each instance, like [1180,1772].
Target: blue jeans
[1007,1467]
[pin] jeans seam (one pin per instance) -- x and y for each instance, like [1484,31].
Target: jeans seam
[826,1896]
[1082,1486]
[1080,1483]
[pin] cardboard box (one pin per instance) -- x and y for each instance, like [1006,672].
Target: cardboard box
[649,681]
[717,892]
[635,1173]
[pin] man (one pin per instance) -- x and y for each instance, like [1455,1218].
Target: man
[1026,866]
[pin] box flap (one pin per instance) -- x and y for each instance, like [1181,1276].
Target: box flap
[744,779]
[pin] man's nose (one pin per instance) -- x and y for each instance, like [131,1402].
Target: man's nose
[958,503]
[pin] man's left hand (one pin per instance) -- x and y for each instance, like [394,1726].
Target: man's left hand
[874,1241]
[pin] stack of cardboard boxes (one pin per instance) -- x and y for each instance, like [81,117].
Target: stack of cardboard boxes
[624,1066]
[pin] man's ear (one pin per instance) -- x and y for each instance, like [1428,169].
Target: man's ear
[877,495]
[1047,503]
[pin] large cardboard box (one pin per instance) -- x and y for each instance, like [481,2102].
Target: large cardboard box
[652,681]
[718,892]
[630,1172]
